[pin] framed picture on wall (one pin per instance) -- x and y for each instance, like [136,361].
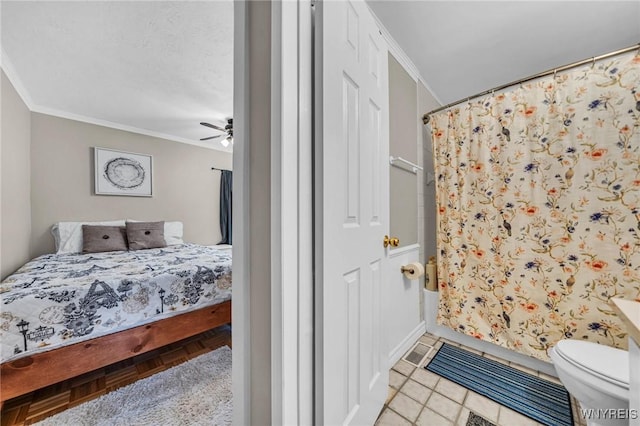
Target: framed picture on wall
[122,173]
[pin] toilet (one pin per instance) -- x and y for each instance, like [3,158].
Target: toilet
[597,376]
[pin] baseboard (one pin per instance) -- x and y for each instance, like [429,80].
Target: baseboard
[396,353]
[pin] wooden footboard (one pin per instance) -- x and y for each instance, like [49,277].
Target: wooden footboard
[36,371]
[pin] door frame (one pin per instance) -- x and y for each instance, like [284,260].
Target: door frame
[272,336]
[241,309]
[292,213]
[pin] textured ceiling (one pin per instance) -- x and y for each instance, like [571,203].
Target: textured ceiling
[165,66]
[158,66]
[465,47]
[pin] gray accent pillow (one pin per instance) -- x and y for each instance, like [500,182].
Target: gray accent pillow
[96,239]
[145,235]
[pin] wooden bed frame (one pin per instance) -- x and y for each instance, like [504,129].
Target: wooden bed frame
[33,372]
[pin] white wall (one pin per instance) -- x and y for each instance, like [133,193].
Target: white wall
[403,314]
[427,190]
[62,180]
[403,184]
[15,143]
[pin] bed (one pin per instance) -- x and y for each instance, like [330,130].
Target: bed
[66,314]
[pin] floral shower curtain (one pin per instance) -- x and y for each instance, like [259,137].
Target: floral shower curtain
[538,198]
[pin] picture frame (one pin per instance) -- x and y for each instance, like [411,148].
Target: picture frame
[122,173]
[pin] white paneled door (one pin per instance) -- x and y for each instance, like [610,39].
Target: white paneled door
[352,370]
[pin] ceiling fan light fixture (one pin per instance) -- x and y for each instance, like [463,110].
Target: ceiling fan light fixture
[228,129]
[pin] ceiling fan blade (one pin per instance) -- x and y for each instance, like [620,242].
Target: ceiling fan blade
[213,126]
[211,137]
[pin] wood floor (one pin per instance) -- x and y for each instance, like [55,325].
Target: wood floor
[53,399]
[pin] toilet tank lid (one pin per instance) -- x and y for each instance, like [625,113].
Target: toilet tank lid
[605,361]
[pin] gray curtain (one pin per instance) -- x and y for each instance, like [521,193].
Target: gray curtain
[226,185]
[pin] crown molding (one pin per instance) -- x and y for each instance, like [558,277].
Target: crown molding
[12,75]
[402,57]
[117,126]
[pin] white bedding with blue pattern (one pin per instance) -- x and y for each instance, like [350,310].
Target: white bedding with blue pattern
[56,300]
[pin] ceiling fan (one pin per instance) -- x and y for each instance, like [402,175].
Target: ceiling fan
[228,132]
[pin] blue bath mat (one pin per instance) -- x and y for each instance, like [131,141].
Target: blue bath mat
[543,401]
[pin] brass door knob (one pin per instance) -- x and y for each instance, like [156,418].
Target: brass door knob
[390,241]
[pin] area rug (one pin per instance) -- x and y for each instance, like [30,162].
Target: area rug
[197,392]
[543,401]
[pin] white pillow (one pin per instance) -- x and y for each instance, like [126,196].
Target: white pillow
[172,232]
[68,235]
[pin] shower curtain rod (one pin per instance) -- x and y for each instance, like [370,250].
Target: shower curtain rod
[425,117]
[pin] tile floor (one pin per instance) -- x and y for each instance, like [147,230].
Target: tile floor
[420,397]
